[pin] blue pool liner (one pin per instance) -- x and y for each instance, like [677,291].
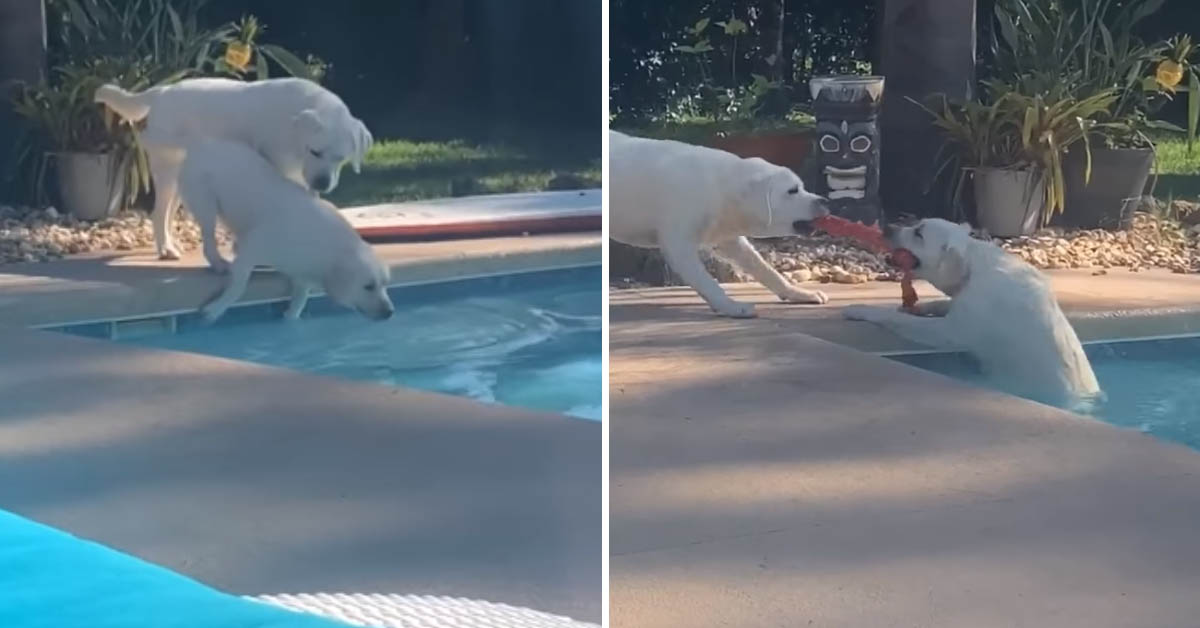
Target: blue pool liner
[51,579]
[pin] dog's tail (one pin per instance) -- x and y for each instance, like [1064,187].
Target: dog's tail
[132,107]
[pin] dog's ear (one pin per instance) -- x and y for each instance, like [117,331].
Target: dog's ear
[952,270]
[334,281]
[362,144]
[752,195]
[308,122]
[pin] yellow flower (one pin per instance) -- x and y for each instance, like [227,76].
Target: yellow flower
[237,54]
[1169,73]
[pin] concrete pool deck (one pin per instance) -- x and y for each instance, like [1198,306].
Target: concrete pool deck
[258,480]
[119,285]
[764,473]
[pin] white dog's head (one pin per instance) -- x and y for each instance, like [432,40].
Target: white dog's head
[774,202]
[941,249]
[360,282]
[326,140]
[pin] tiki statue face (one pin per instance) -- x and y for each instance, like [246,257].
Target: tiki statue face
[847,153]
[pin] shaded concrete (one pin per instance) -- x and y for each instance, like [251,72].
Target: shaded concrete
[118,285]
[763,477]
[258,480]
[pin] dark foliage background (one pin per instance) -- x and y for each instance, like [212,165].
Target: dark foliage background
[819,37]
[647,75]
[436,69]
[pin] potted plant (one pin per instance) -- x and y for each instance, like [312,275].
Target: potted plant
[1011,147]
[1084,50]
[90,153]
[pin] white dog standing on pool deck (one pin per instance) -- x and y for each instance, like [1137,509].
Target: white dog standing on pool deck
[301,128]
[678,198]
[1001,310]
[281,224]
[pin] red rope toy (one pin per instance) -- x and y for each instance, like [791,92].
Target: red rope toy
[872,238]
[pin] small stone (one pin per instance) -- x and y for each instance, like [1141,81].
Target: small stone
[801,275]
[51,213]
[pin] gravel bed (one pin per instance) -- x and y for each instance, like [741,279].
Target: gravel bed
[43,235]
[1162,236]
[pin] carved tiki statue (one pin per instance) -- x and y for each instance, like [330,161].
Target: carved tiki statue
[847,151]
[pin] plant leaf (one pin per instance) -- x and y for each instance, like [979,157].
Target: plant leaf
[1193,115]
[288,61]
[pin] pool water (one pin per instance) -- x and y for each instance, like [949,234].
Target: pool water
[530,340]
[1150,385]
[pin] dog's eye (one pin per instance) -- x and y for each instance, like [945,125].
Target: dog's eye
[917,232]
[315,153]
[795,189]
[369,287]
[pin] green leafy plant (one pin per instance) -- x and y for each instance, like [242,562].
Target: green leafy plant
[1086,47]
[63,119]
[734,101]
[1011,130]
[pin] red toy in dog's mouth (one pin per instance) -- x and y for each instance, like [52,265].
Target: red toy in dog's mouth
[871,237]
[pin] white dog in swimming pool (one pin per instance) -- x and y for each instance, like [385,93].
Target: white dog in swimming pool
[679,198]
[301,128]
[1001,310]
[277,223]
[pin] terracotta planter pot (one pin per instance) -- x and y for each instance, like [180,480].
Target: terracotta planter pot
[1109,199]
[790,149]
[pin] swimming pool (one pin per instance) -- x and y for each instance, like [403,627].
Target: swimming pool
[1150,385]
[529,339]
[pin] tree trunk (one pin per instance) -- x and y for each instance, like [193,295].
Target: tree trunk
[774,60]
[928,48]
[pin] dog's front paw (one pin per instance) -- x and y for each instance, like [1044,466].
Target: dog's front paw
[219,266]
[737,310]
[804,296]
[210,313]
[169,252]
[862,313]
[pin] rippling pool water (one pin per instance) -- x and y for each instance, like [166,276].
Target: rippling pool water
[531,340]
[1150,385]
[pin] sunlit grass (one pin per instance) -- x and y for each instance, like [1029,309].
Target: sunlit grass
[398,170]
[1174,158]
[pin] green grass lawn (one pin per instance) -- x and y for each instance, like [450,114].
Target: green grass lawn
[398,170]
[1178,170]
[1173,156]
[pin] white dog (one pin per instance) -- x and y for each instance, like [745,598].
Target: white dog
[679,198]
[303,129]
[281,224]
[1002,311]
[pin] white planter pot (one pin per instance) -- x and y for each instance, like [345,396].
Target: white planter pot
[89,185]
[1009,202]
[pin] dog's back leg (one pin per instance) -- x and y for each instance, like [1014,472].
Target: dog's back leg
[741,252]
[683,257]
[299,300]
[205,207]
[164,172]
